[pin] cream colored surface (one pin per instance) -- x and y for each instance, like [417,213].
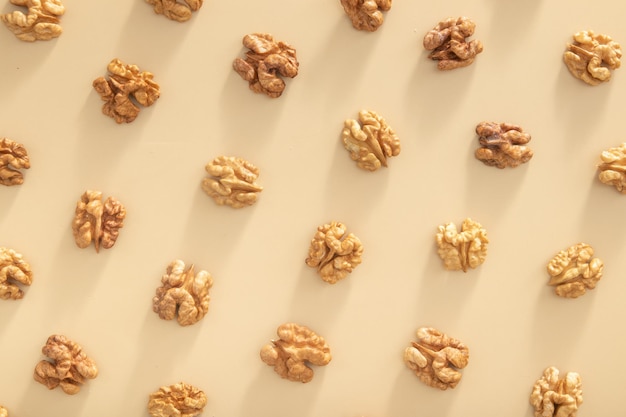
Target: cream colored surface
[504,311]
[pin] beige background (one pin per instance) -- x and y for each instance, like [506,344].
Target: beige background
[512,322]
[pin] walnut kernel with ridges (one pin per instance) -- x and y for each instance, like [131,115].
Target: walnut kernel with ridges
[178,400]
[464,249]
[179,11]
[502,145]
[96,221]
[448,43]
[232,181]
[41,22]
[370,140]
[592,57]
[553,396]
[613,168]
[573,271]
[13,157]
[13,271]
[366,14]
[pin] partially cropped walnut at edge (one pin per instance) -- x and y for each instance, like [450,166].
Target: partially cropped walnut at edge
[13,271]
[40,23]
[592,57]
[3,412]
[178,400]
[556,396]
[13,157]
[613,168]
[502,145]
[463,249]
[448,43]
[232,181]
[436,358]
[366,14]
[297,347]
[370,140]
[97,221]
[574,271]
[179,11]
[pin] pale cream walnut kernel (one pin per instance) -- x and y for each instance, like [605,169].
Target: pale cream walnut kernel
[297,347]
[574,271]
[334,252]
[502,145]
[448,43]
[41,22]
[178,400]
[179,11]
[68,365]
[13,271]
[370,140]
[436,358]
[125,87]
[265,63]
[553,396]
[97,221]
[592,57]
[613,167]
[232,181]
[3,412]
[184,294]
[366,14]
[13,157]
[464,249]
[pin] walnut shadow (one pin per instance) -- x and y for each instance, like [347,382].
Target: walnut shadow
[411,397]
[8,198]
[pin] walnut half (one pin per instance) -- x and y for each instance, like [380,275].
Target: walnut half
[502,145]
[13,157]
[613,167]
[592,57]
[553,396]
[460,250]
[13,270]
[178,400]
[370,140]
[573,271]
[179,11]
[366,14]
[96,221]
[41,22]
[448,43]
[232,181]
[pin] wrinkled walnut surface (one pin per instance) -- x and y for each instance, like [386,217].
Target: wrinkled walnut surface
[370,140]
[448,43]
[13,157]
[592,57]
[68,366]
[265,63]
[366,14]
[178,400]
[179,11]
[13,270]
[41,22]
[334,252]
[573,271]
[184,294]
[232,181]
[125,86]
[553,396]
[502,145]
[460,250]
[436,358]
[96,221]
[296,347]
[613,167]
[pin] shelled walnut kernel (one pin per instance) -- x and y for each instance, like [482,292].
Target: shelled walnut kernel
[366,14]
[370,140]
[13,269]
[97,222]
[69,367]
[460,250]
[436,358]
[3,412]
[184,294]
[232,181]
[502,145]
[553,396]
[592,57]
[176,10]
[613,167]
[448,43]
[13,157]
[297,345]
[41,22]
[178,400]
[573,271]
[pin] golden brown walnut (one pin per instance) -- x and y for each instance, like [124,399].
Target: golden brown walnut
[184,294]
[3,412]
[370,140]
[179,11]
[553,396]
[573,271]
[41,22]
[125,86]
[265,63]
[96,221]
[436,358]
[448,43]
[232,181]
[592,57]
[13,157]
[334,252]
[366,14]
[178,400]
[68,365]
[296,347]
[613,167]
[13,270]
[502,145]
[460,250]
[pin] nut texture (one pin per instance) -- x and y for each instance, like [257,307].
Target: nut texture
[97,221]
[369,140]
[436,358]
[179,11]
[265,63]
[69,367]
[448,43]
[13,156]
[232,181]
[592,57]
[462,250]
[573,271]
[125,86]
[557,397]
[334,252]
[366,14]
[613,167]
[41,22]
[502,145]
[297,346]
[13,270]
[178,400]
[183,293]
